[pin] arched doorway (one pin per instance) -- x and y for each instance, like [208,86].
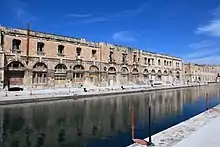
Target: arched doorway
[159,75]
[153,75]
[146,75]
[111,76]
[124,75]
[15,74]
[60,74]
[94,74]
[78,74]
[165,76]
[170,77]
[135,76]
[39,74]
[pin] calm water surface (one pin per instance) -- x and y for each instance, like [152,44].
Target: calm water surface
[101,122]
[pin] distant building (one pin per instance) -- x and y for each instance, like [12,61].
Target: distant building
[194,73]
[38,60]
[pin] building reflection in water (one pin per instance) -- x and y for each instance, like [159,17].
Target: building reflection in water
[77,123]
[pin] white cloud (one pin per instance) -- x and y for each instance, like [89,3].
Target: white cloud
[118,15]
[123,36]
[79,15]
[202,44]
[202,53]
[211,29]
[214,59]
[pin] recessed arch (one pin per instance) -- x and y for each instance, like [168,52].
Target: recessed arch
[60,68]
[60,74]
[146,71]
[153,71]
[124,70]
[78,68]
[112,70]
[40,66]
[78,74]
[159,72]
[15,74]
[135,70]
[39,73]
[93,68]
[165,72]
[16,65]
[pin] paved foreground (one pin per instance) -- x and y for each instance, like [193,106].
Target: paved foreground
[207,136]
[202,130]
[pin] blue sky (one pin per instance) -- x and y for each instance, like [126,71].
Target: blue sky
[189,29]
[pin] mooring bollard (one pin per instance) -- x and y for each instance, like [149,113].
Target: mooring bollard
[207,101]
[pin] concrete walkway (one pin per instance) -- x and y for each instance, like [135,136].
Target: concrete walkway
[202,130]
[75,93]
[207,136]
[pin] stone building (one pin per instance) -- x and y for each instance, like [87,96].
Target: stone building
[194,73]
[35,59]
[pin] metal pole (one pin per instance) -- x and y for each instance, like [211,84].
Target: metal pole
[219,94]
[132,122]
[149,110]
[207,101]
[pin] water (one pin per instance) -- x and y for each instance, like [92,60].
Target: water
[99,122]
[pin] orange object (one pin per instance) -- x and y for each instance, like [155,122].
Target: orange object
[140,141]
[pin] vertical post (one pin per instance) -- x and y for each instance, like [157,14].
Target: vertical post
[207,102]
[219,94]
[132,122]
[28,42]
[149,111]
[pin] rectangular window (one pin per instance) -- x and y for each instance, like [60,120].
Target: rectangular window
[111,56]
[152,61]
[40,47]
[78,51]
[159,62]
[135,58]
[149,61]
[16,45]
[145,60]
[94,53]
[123,58]
[60,49]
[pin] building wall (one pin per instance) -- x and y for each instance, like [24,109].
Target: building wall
[200,73]
[93,70]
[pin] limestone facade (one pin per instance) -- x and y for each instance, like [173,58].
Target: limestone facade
[194,73]
[35,59]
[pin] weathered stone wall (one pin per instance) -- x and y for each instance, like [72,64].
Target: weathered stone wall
[200,73]
[138,72]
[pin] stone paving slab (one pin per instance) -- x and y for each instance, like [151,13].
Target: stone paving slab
[190,129]
[207,136]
